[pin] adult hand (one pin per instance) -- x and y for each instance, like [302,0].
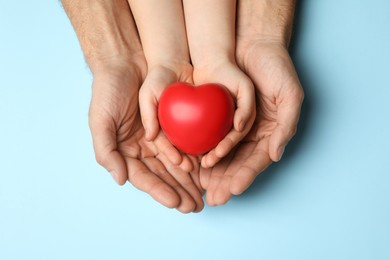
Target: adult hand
[262,54]
[121,148]
[113,51]
[156,81]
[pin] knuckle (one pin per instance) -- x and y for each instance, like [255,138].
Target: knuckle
[155,186]
[143,94]
[300,96]
[134,175]
[292,131]
[171,168]
[101,158]
[229,142]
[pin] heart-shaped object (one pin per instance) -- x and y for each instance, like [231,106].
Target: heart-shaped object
[196,118]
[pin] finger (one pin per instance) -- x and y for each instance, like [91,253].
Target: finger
[148,109]
[220,190]
[187,203]
[186,164]
[165,147]
[258,161]
[245,112]
[204,177]
[143,179]
[222,193]
[229,142]
[287,121]
[207,159]
[105,147]
[211,188]
[195,173]
[185,180]
[216,177]
[239,158]
[223,148]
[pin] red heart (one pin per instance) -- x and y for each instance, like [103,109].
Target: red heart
[196,118]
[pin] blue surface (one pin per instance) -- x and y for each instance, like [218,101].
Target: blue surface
[329,198]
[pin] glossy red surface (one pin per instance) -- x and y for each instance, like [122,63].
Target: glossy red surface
[196,118]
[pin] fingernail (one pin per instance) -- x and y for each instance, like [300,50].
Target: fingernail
[114,175]
[281,151]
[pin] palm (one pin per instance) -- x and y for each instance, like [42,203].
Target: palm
[114,107]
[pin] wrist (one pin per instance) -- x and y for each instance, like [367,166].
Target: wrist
[119,68]
[115,52]
[109,63]
[207,58]
[265,21]
[169,60]
[106,32]
[169,70]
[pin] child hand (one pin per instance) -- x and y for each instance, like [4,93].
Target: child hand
[211,39]
[242,89]
[157,79]
[163,36]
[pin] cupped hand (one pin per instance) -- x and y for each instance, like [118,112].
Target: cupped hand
[120,144]
[158,78]
[241,87]
[279,96]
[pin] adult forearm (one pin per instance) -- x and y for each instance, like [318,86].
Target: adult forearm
[266,19]
[106,31]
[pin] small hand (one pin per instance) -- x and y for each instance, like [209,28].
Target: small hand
[120,146]
[163,34]
[242,89]
[157,80]
[279,96]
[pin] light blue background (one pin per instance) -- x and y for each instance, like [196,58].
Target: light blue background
[329,198]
